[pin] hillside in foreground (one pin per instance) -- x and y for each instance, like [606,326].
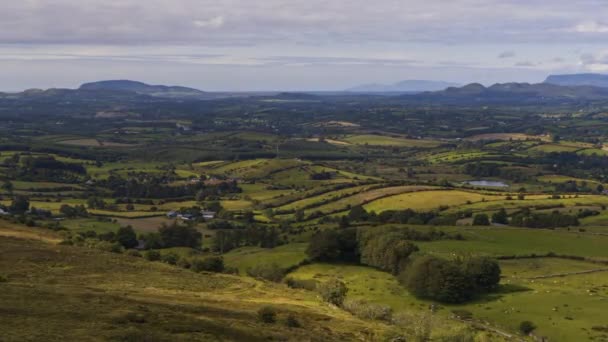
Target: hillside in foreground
[52,292]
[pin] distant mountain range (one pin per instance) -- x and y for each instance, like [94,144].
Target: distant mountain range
[597,80]
[511,94]
[407,86]
[144,89]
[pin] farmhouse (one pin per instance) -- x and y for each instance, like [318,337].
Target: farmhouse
[208,215]
[172,214]
[3,212]
[185,217]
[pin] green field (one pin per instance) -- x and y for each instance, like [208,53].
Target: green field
[284,256]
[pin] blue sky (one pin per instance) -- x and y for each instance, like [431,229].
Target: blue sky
[297,45]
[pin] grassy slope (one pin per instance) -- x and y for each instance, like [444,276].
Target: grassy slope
[58,292]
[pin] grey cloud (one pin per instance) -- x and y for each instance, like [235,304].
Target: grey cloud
[506,54]
[242,22]
[526,64]
[286,60]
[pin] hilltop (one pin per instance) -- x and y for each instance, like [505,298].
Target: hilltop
[596,80]
[143,88]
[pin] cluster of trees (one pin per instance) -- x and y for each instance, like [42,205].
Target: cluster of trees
[322,175]
[150,186]
[265,237]
[573,186]
[73,211]
[173,235]
[409,216]
[391,250]
[388,251]
[576,165]
[543,220]
[451,281]
[380,247]
[46,168]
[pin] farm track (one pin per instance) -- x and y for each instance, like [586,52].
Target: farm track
[557,275]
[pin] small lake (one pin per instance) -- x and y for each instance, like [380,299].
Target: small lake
[497,184]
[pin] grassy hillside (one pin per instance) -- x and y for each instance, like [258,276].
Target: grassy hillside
[55,293]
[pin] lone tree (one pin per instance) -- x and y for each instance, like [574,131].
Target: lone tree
[126,237]
[500,217]
[481,220]
[333,291]
[20,205]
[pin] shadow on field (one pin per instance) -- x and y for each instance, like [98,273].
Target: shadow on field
[503,289]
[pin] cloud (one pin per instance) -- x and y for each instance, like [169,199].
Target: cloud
[311,60]
[526,64]
[507,54]
[591,27]
[214,22]
[306,22]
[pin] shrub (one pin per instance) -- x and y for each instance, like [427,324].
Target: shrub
[152,255]
[267,314]
[333,291]
[270,272]
[169,258]
[184,263]
[306,284]
[526,327]
[133,253]
[292,321]
[365,310]
[209,264]
[481,220]
[3,279]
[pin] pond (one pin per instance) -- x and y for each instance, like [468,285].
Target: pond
[497,184]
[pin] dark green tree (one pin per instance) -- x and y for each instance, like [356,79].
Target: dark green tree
[126,237]
[481,220]
[500,217]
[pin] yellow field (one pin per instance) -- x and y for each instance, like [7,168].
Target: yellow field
[367,196]
[427,200]
[380,140]
[508,136]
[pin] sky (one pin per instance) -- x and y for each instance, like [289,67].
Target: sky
[257,45]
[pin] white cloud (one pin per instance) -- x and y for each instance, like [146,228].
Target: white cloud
[591,27]
[214,22]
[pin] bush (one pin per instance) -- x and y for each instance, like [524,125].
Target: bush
[306,284]
[333,291]
[292,321]
[133,253]
[106,246]
[267,314]
[3,279]
[152,255]
[365,310]
[184,263]
[526,327]
[209,264]
[270,272]
[169,258]
[481,220]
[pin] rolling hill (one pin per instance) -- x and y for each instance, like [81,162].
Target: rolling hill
[143,88]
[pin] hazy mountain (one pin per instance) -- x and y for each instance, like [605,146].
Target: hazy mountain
[403,86]
[143,88]
[597,80]
[511,93]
